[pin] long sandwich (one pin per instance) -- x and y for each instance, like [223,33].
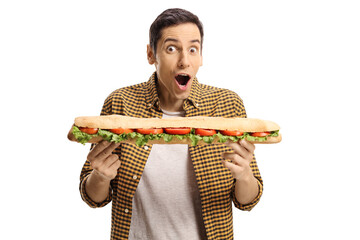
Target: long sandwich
[194,131]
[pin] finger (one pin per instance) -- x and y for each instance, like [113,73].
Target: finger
[98,148]
[235,159]
[112,170]
[239,149]
[105,165]
[232,167]
[250,147]
[110,147]
[116,165]
[108,150]
[110,160]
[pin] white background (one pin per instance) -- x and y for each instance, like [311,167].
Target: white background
[293,62]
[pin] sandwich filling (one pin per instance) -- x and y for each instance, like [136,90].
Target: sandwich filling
[142,139]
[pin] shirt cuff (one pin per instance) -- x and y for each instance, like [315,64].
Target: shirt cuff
[251,205]
[88,200]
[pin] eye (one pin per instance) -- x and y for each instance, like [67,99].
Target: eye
[193,50]
[171,49]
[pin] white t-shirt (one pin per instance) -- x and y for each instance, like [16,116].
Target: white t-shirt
[166,204]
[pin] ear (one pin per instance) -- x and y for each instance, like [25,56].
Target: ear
[201,60]
[150,55]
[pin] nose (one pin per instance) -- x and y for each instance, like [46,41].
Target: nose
[183,61]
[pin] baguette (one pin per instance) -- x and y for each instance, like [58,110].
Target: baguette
[246,125]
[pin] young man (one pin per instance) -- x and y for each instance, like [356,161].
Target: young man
[172,191]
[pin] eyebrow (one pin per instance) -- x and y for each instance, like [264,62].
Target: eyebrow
[175,40]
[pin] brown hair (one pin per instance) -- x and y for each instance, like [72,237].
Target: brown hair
[171,17]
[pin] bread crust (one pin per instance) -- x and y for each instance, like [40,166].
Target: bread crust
[177,141]
[218,123]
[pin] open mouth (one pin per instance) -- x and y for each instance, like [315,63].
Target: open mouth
[182,80]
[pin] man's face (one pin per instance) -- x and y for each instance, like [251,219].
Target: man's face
[178,58]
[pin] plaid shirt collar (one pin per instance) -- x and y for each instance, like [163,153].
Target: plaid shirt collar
[152,98]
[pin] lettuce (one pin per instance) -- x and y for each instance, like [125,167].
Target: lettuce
[82,137]
[261,139]
[194,139]
[141,139]
[168,137]
[112,137]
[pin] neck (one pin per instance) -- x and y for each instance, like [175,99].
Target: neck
[167,101]
[171,106]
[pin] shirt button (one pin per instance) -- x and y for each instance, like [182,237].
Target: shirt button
[146,148]
[149,105]
[196,105]
[135,177]
[126,210]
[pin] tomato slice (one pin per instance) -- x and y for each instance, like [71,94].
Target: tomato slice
[231,133]
[260,134]
[88,130]
[121,130]
[205,132]
[178,131]
[150,130]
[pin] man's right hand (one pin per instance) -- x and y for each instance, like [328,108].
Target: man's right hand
[104,163]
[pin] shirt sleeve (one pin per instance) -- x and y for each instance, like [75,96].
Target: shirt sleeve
[241,112]
[86,170]
[251,205]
